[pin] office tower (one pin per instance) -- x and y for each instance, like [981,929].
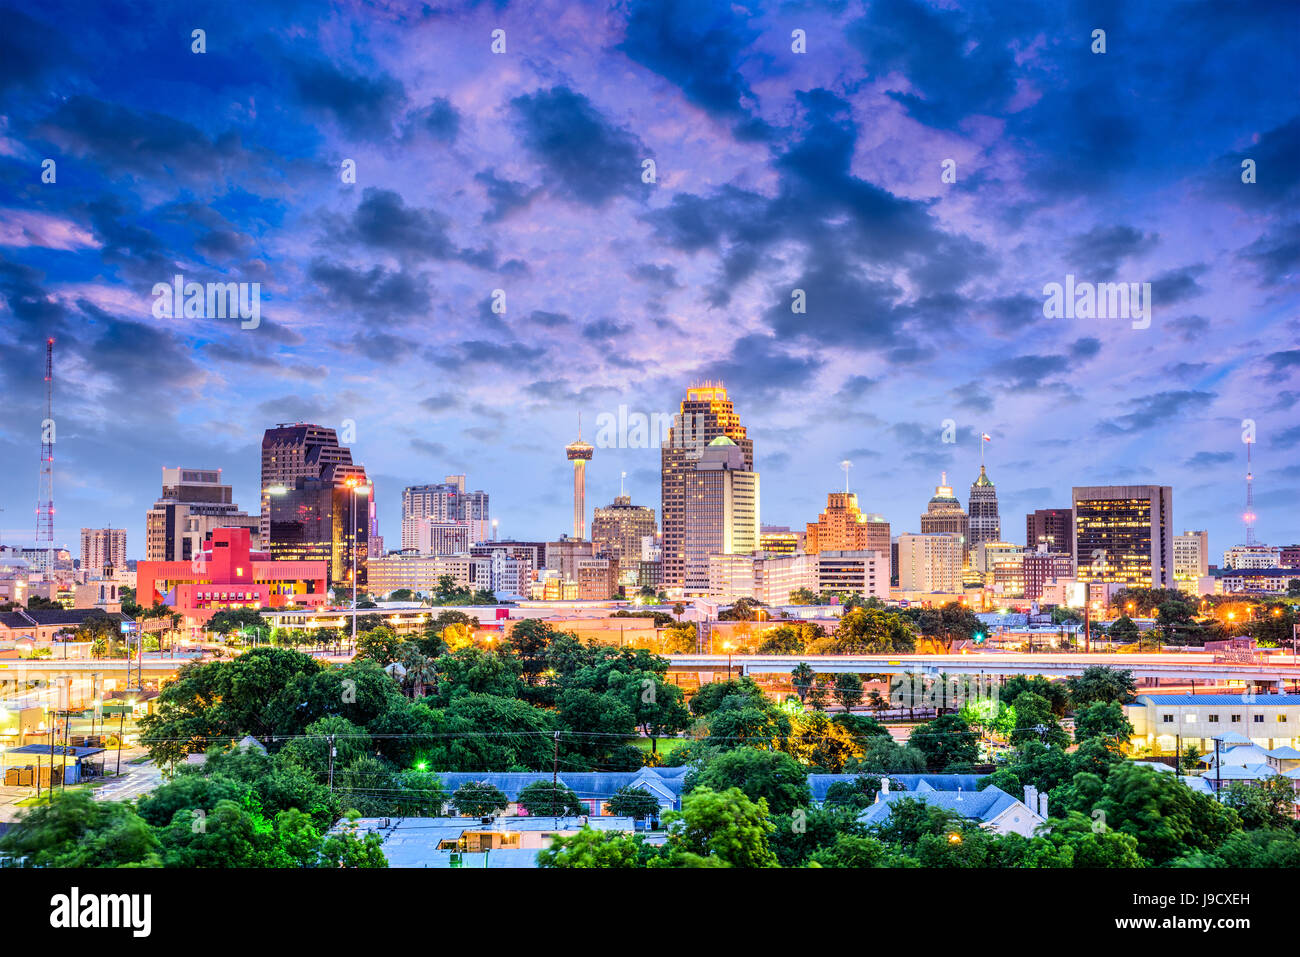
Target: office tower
[1289,556]
[617,530]
[1252,556]
[721,514]
[1040,567]
[945,516]
[441,538]
[777,540]
[375,541]
[299,450]
[579,453]
[1050,527]
[705,414]
[985,525]
[101,547]
[843,527]
[447,502]
[326,519]
[930,562]
[1191,555]
[193,504]
[1124,534]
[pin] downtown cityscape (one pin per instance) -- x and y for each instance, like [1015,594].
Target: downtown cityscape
[563,437]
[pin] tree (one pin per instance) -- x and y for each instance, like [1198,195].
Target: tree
[1262,804]
[592,848]
[630,801]
[542,799]
[803,678]
[1105,720]
[1164,816]
[769,776]
[874,631]
[1123,629]
[479,799]
[229,620]
[710,697]
[1035,721]
[945,741]
[803,596]
[679,640]
[345,849]
[848,690]
[379,644]
[719,828]
[75,830]
[1099,683]
[1054,691]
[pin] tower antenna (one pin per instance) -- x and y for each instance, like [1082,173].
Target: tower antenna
[846,465]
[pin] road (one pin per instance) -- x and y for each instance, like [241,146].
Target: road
[136,780]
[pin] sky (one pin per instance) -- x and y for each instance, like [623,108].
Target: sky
[524,172]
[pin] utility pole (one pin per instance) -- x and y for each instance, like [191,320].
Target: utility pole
[555,780]
[331,774]
[1218,778]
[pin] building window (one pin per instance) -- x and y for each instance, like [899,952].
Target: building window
[1214,719]
[1167,718]
[1190,717]
[1259,719]
[1236,719]
[1281,719]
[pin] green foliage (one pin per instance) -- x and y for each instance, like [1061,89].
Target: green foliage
[592,848]
[75,830]
[479,799]
[946,742]
[874,631]
[1102,719]
[769,776]
[635,802]
[1101,684]
[541,799]
[719,828]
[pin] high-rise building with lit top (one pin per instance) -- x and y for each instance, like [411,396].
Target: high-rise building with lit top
[705,414]
[1124,534]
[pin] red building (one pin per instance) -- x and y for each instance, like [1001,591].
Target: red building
[228,574]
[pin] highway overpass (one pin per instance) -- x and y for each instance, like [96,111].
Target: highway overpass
[1191,666]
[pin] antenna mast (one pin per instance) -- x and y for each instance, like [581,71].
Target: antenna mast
[1250,498]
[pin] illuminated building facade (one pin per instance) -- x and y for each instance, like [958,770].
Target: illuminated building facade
[294,451]
[102,547]
[447,502]
[985,525]
[617,530]
[1052,527]
[721,514]
[843,527]
[930,562]
[1191,556]
[579,453]
[193,503]
[777,540]
[1252,556]
[1039,568]
[945,516]
[1124,534]
[705,414]
[228,573]
[324,519]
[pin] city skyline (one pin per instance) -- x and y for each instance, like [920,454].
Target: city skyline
[776,172]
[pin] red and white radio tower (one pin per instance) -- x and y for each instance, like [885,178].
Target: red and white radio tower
[45,496]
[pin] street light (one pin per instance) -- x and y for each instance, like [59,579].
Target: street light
[358,488]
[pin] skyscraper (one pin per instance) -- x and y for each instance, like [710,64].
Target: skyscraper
[843,527]
[579,453]
[944,515]
[101,547]
[1052,528]
[324,518]
[1124,534]
[721,515]
[1191,556]
[299,450]
[985,525]
[193,504]
[705,414]
[617,531]
[448,503]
